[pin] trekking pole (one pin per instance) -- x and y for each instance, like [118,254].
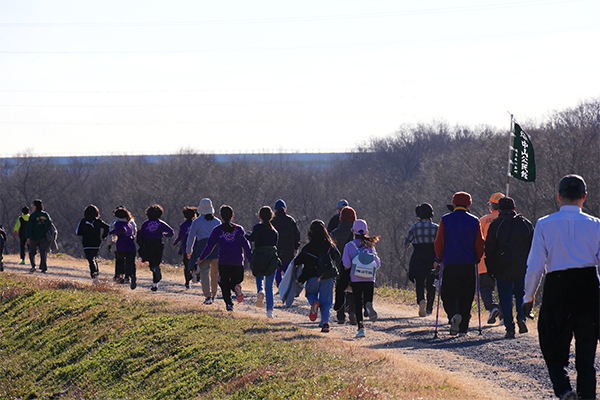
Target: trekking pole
[478,302]
[437,312]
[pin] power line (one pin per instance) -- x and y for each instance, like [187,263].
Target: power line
[442,10]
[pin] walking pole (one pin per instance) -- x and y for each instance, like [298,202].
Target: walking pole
[437,312]
[478,302]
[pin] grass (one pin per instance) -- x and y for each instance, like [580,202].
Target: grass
[60,339]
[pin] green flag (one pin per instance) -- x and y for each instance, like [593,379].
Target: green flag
[523,158]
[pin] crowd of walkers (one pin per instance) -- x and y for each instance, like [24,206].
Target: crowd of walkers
[464,256]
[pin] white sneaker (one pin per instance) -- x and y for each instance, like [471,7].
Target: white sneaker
[269,313]
[454,324]
[422,306]
[260,299]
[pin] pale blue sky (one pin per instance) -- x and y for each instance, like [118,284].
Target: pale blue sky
[152,77]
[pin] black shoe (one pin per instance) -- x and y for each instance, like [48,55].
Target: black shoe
[522,327]
[43,271]
[154,288]
[352,318]
[325,327]
[341,321]
[133,283]
[509,335]
[32,270]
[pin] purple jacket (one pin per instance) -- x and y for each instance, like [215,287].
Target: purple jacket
[184,230]
[125,235]
[349,252]
[155,229]
[232,245]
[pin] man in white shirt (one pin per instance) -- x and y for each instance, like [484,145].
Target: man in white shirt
[566,245]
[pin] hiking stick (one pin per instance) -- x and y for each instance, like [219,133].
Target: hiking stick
[478,302]
[437,312]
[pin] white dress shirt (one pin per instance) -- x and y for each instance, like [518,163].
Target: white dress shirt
[566,239]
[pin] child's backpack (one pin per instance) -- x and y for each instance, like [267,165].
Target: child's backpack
[326,268]
[363,263]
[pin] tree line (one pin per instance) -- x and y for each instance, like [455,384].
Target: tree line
[384,179]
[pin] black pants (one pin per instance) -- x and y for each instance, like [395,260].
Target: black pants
[458,291]
[363,294]
[229,277]
[43,245]
[91,256]
[423,284]
[187,271]
[341,284]
[570,308]
[153,252]
[23,246]
[126,262]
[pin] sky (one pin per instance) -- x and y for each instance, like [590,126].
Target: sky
[159,77]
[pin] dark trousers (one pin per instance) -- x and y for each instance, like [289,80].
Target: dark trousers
[570,308]
[363,294]
[42,244]
[506,291]
[343,299]
[91,256]
[458,291]
[187,269]
[229,277]
[486,290]
[153,252]
[426,284]
[126,262]
[23,246]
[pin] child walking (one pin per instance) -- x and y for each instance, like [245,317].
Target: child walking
[265,261]
[362,260]
[124,230]
[93,232]
[189,213]
[233,245]
[319,287]
[20,230]
[150,241]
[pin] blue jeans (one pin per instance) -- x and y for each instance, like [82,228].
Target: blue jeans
[280,272]
[506,291]
[320,290]
[268,288]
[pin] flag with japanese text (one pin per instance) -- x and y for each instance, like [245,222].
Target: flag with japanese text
[523,157]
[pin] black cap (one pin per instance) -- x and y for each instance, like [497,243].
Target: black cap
[424,211]
[506,203]
[572,186]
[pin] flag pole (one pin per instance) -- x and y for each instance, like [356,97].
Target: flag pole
[509,154]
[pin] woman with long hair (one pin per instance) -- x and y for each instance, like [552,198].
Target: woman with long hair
[318,256]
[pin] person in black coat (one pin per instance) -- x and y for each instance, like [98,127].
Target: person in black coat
[92,231]
[507,247]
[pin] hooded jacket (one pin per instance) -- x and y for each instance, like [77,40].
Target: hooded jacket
[92,232]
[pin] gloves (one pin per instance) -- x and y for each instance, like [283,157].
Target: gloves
[526,308]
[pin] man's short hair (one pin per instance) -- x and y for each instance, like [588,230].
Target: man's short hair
[572,187]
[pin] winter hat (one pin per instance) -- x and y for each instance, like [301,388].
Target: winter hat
[348,214]
[279,204]
[424,211]
[205,207]
[341,204]
[462,199]
[506,203]
[495,197]
[360,227]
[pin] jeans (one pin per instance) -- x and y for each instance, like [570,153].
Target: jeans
[268,280]
[506,291]
[280,272]
[320,290]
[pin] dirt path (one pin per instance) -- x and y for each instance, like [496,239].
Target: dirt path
[494,367]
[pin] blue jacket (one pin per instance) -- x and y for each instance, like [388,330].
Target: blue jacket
[459,239]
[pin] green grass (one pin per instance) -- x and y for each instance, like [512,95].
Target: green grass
[63,340]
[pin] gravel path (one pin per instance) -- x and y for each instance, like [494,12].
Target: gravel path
[494,366]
